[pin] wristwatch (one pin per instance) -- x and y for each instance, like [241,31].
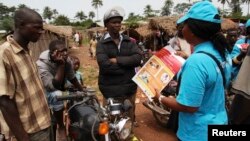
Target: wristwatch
[160,98]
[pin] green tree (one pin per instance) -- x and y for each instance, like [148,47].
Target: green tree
[91,15]
[6,17]
[96,4]
[47,13]
[55,13]
[22,6]
[236,9]
[133,17]
[7,24]
[132,20]
[148,11]
[62,20]
[80,15]
[223,2]
[182,7]
[166,9]
[6,11]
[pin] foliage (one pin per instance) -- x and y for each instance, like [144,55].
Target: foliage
[166,9]
[55,13]
[6,17]
[223,1]
[7,24]
[6,12]
[182,7]
[91,15]
[236,15]
[83,25]
[80,15]
[90,75]
[47,13]
[132,20]
[62,20]
[148,11]
[224,13]
[96,4]
[236,9]
[22,6]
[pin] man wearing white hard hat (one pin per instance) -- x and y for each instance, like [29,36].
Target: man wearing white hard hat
[117,58]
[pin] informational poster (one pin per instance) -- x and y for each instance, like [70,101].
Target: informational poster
[158,71]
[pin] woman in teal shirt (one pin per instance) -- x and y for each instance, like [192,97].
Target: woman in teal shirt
[201,97]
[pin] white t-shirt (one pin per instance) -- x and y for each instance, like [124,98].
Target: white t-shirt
[77,37]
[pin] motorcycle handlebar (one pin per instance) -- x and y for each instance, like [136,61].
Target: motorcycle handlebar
[71,97]
[76,95]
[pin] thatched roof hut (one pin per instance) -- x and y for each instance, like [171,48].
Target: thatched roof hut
[228,24]
[143,30]
[93,30]
[60,30]
[51,33]
[167,23]
[132,33]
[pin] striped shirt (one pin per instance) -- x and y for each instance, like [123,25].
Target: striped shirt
[20,81]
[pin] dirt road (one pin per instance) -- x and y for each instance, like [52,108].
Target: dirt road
[148,129]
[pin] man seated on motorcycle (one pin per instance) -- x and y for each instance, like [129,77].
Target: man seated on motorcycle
[55,67]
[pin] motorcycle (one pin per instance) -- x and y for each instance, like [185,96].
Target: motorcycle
[88,120]
[161,112]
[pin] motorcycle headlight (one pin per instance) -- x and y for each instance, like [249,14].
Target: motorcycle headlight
[124,128]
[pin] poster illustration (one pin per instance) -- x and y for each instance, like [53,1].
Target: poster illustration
[158,71]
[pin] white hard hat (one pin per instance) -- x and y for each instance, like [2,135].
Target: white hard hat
[116,11]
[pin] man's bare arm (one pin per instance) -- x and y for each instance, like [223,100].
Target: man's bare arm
[11,116]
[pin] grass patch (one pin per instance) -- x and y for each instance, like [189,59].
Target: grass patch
[90,77]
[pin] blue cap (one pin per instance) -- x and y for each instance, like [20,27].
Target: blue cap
[204,11]
[248,23]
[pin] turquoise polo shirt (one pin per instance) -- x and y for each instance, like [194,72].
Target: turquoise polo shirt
[202,86]
[235,52]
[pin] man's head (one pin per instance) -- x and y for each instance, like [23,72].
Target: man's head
[76,62]
[58,48]
[113,19]
[28,24]
[232,36]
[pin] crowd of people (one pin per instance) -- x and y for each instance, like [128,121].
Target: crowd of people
[29,111]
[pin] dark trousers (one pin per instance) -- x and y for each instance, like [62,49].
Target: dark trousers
[239,112]
[43,135]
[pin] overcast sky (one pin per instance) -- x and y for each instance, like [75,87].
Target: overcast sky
[70,7]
